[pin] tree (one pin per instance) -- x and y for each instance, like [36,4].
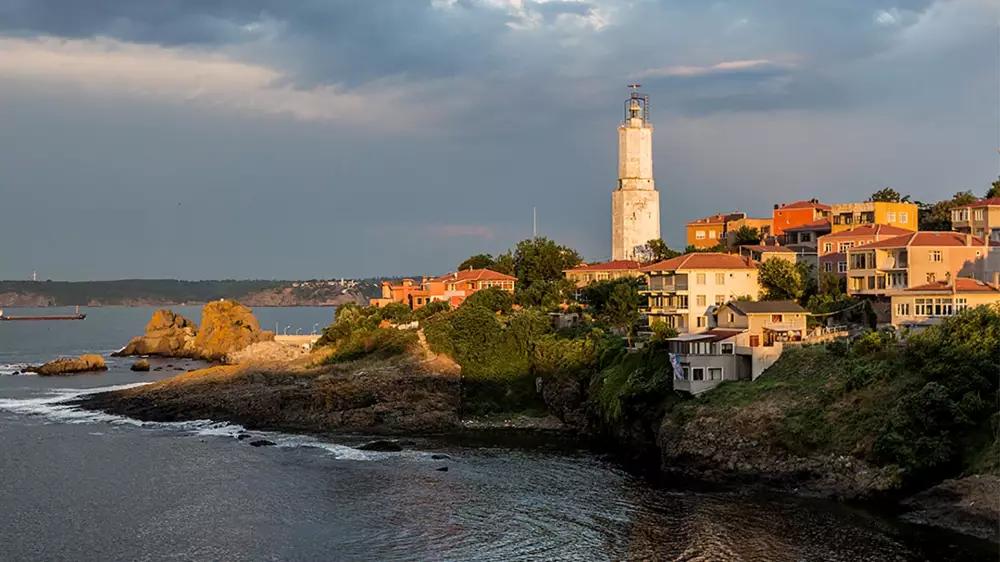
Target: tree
[888,194]
[937,216]
[994,190]
[541,259]
[781,280]
[478,261]
[597,294]
[745,235]
[504,263]
[656,250]
[622,309]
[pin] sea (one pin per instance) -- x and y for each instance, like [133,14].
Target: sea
[79,485]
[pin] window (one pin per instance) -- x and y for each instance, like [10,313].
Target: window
[922,307]
[754,341]
[720,300]
[720,278]
[727,348]
[844,246]
[685,372]
[935,256]
[699,300]
[715,373]
[890,217]
[699,235]
[960,305]
[699,279]
[931,277]
[903,219]
[700,321]
[978,215]
[776,318]
[698,374]
[828,267]
[871,282]
[842,267]
[903,309]
[827,247]
[711,234]
[732,318]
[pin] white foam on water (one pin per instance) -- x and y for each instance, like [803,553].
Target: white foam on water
[11,368]
[56,407]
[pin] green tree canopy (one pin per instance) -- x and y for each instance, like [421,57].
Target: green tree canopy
[994,190]
[888,194]
[540,259]
[478,261]
[937,216]
[745,235]
[622,308]
[656,250]
[598,293]
[781,280]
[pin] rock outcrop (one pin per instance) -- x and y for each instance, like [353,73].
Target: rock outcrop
[969,505]
[227,327]
[168,334]
[267,352]
[141,365]
[71,365]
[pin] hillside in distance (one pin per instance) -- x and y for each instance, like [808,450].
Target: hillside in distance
[164,292]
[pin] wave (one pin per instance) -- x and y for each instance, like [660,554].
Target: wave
[56,407]
[12,368]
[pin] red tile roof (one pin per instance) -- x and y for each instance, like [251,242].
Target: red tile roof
[768,248]
[614,265]
[821,224]
[476,275]
[703,260]
[805,204]
[926,238]
[990,202]
[870,230]
[963,285]
[719,218]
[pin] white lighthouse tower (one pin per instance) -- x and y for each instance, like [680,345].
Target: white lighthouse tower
[635,204]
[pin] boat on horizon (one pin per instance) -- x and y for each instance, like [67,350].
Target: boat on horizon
[76,316]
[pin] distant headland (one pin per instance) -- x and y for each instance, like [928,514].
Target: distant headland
[164,292]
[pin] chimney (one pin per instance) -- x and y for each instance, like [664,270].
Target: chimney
[996,279]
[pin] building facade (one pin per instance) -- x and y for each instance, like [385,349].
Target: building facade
[883,268]
[981,219]
[832,248]
[683,291]
[797,213]
[452,288]
[845,216]
[635,204]
[710,231]
[929,304]
[585,274]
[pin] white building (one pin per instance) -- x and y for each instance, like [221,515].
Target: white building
[635,204]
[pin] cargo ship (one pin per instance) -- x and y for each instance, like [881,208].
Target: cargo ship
[76,316]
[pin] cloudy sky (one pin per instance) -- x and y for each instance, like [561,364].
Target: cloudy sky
[317,138]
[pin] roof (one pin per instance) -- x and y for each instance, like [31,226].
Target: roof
[613,265]
[715,334]
[718,218]
[821,224]
[768,248]
[804,204]
[927,238]
[703,260]
[476,275]
[963,285]
[988,202]
[766,307]
[870,230]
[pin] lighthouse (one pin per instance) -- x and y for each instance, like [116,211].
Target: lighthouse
[635,203]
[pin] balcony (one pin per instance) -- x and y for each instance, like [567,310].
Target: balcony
[669,284]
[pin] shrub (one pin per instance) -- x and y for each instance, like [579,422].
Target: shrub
[493,299]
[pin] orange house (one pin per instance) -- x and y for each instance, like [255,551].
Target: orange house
[797,213]
[452,288]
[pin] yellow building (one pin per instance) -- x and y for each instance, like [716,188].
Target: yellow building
[845,216]
[683,291]
[929,304]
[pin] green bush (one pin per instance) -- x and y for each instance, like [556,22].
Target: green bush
[378,343]
[493,299]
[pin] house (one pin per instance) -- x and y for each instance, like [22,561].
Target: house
[681,291]
[928,304]
[881,268]
[749,338]
[710,231]
[797,213]
[585,274]
[806,234]
[832,248]
[981,219]
[900,214]
[763,227]
[796,253]
[452,288]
